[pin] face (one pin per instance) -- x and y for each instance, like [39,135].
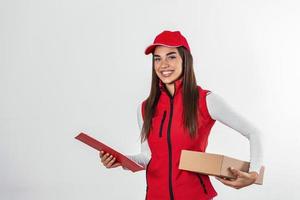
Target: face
[167,64]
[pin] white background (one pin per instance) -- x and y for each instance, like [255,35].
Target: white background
[70,66]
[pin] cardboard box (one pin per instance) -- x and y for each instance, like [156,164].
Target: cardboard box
[214,164]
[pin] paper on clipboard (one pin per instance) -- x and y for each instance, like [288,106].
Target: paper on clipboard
[125,161]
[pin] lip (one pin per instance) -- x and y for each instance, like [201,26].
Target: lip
[170,72]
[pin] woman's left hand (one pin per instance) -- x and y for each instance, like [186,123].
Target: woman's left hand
[242,179]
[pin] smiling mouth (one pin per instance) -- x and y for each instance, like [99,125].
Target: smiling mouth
[166,73]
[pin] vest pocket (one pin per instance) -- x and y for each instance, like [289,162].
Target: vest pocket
[162,124]
[202,183]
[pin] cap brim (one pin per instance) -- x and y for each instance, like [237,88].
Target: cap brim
[151,48]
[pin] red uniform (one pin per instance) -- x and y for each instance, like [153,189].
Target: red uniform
[166,140]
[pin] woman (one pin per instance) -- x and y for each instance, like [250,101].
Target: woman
[177,115]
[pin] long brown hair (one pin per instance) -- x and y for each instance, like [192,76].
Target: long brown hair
[190,96]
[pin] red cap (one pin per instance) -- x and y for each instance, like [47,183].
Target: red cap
[169,39]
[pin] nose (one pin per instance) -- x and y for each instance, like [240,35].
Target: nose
[164,63]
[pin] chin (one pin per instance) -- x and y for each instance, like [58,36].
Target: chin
[168,81]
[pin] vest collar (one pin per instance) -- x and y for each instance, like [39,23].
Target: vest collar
[178,85]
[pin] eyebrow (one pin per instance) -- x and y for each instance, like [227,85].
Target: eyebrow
[173,52]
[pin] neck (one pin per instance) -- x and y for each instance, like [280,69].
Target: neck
[171,87]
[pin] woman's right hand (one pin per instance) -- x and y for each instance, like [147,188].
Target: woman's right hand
[108,160]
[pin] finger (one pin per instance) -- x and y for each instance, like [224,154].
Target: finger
[101,153]
[235,172]
[116,164]
[111,162]
[238,173]
[105,157]
[226,182]
[108,159]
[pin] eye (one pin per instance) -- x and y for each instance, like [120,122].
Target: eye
[156,59]
[172,57]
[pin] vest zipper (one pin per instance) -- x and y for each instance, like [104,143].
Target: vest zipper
[162,124]
[170,151]
[169,143]
[202,183]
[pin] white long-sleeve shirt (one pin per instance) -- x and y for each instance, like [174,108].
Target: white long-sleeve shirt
[221,111]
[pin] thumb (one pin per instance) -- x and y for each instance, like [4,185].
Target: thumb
[117,164]
[239,173]
[235,172]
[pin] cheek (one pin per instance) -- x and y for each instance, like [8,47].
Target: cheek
[156,66]
[179,68]
[156,71]
[179,72]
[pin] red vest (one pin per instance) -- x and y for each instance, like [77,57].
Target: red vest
[166,140]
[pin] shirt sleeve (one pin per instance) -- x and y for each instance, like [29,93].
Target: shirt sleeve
[144,156]
[221,111]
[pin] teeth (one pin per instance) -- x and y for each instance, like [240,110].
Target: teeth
[166,73]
